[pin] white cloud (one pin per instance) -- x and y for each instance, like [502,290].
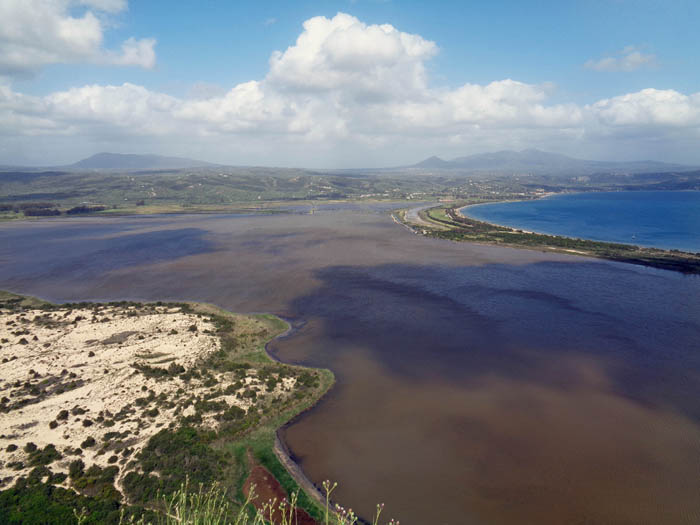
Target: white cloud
[650,107]
[629,59]
[246,107]
[114,107]
[35,33]
[135,53]
[352,92]
[511,103]
[344,53]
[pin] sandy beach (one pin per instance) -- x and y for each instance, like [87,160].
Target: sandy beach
[72,380]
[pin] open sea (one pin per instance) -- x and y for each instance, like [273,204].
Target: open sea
[660,219]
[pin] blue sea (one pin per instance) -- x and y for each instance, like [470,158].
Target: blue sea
[661,219]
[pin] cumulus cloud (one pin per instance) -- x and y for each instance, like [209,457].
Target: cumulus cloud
[650,107]
[629,59]
[35,33]
[344,53]
[510,103]
[88,110]
[352,89]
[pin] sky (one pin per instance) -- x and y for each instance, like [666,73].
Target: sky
[342,84]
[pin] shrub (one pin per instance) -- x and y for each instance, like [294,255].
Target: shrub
[308,379]
[233,413]
[175,455]
[76,468]
[31,501]
[110,435]
[43,457]
[40,212]
[175,369]
[84,209]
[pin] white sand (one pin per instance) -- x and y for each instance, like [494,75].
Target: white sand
[95,349]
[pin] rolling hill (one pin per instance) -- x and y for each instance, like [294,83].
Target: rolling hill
[537,162]
[120,161]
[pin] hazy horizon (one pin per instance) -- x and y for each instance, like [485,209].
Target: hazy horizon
[406,164]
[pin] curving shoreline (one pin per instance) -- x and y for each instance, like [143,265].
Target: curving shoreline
[663,220]
[458,212]
[284,456]
[280,448]
[451,224]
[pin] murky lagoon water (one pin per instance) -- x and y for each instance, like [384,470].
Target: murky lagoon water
[475,384]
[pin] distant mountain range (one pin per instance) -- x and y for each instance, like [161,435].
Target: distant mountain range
[526,162]
[120,161]
[536,162]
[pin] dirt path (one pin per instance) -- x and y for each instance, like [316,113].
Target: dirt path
[269,491]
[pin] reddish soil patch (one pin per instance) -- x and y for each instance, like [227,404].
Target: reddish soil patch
[268,488]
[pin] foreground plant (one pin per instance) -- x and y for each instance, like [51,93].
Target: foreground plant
[211,507]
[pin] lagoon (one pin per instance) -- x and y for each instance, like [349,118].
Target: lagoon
[475,384]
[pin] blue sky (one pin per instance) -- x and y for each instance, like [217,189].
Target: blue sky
[609,79]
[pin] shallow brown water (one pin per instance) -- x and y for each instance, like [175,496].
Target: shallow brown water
[475,384]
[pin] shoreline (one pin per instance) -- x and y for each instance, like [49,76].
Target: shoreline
[463,228]
[458,212]
[279,447]
[282,451]
[284,456]
[272,207]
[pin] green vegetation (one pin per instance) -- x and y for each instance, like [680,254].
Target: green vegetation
[44,457]
[451,225]
[265,190]
[14,302]
[212,446]
[174,456]
[245,190]
[35,501]
[206,505]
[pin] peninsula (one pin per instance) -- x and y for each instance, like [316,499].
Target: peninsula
[446,222]
[112,407]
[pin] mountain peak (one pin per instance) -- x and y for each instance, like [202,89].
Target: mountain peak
[432,162]
[538,162]
[132,161]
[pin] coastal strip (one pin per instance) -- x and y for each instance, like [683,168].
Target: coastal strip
[447,222]
[284,456]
